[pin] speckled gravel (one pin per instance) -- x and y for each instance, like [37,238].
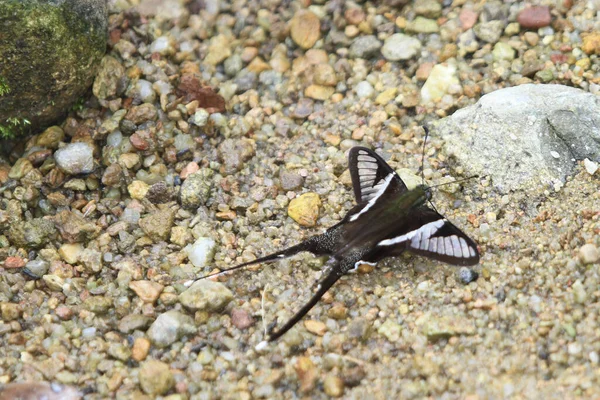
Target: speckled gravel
[209,123]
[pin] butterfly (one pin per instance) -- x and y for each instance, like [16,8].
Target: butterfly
[388,220]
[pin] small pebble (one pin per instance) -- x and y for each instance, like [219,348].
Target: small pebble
[467,275]
[589,254]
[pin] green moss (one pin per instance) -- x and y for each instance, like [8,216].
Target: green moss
[4,88]
[13,127]
[54,50]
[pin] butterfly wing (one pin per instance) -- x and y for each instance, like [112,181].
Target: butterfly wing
[370,173]
[429,234]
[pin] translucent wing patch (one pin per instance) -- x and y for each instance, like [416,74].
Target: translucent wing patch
[435,238]
[369,172]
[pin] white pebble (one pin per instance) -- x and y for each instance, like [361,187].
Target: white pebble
[554,154]
[588,254]
[364,89]
[590,166]
[201,252]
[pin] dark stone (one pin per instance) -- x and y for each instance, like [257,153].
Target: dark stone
[51,50]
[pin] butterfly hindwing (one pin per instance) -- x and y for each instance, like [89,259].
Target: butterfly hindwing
[430,234]
[370,173]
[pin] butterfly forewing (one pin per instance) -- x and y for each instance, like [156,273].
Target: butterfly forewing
[370,174]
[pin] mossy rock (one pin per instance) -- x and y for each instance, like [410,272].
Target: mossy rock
[49,54]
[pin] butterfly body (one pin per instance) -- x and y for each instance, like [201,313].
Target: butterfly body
[388,220]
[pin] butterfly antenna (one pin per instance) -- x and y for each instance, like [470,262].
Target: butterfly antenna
[423,155]
[455,181]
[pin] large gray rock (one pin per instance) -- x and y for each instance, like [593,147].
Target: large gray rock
[50,51]
[525,138]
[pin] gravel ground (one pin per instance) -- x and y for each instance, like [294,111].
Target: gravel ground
[209,123]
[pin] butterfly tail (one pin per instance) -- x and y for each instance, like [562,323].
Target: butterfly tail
[324,286]
[290,251]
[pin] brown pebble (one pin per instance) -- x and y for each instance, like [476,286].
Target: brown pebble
[591,43]
[354,16]
[305,29]
[467,18]
[64,313]
[148,291]
[140,349]
[189,169]
[534,17]
[307,374]
[14,262]
[423,71]
[315,327]
[241,319]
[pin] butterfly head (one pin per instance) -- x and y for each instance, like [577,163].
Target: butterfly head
[425,190]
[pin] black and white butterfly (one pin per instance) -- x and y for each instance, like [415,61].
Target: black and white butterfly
[388,220]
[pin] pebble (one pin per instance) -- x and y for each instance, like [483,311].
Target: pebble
[503,51]
[14,262]
[109,77]
[158,224]
[534,17]
[591,43]
[364,47]
[319,92]
[133,322]
[51,137]
[70,252]
[38,390]
[241,318]
[155,377]
[589,254]
[391,330]
[138,189]
[234,153]
[427,8]
[37,268]
[307,374]
[148,291]
[467,275]
[169,327]
[206,295]
[590,166]
[142,113]
[143,91]
[140,349]
[422,25]
[490,31]
[290,180]
[201,252]
[439,81]
[196,189]
[315,327]
[467,18]
[400,47]
[333,386]
[75,158]
[304,209]
[364,89]
[305,29]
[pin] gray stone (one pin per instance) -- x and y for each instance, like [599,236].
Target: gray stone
[51,51]
[400,47]
[364,47]
[523,141]
[170,327]
[75,158]
[234,153]
[108,79]
[196,189]
[489,31]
